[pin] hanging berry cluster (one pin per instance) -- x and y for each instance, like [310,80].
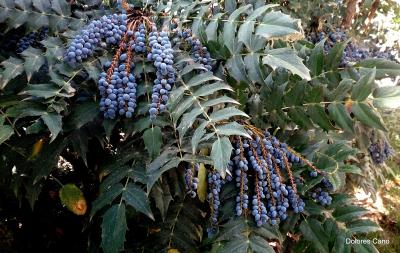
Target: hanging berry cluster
[261,169]
[379,149]
[135,35]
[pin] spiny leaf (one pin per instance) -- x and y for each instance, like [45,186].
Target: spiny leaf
[387,97]
[384,68]
[314,233]
[13,67]
[363,226]
[34,60]
[152,138]
[54,123]
[363,88]
[288,59]
[340,115]
[349,213]
[106,197]
[221,153]
[366,115]
[5,133]
[137,198]
[276,25]
[230,26]
[114,229]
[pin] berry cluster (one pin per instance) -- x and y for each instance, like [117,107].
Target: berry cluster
[215,183]
[198,52]
[118,85]
[108,29]
[32,39]
[321,197]
[162,56]
[383,52]
[380,151]
[351,53]
[190,180]
[267,163]
[261,169]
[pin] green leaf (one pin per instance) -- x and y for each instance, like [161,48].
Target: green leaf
[212,27]
[226,113]
[319,117]
[300,117]
[137,198]
[238,245]
[221,153]
[260,245]
[253,66]
[384,68]
[230,26]
[232,128]
[13,67]
[247,28]
[54,123]
[41,90]
[364,248]
[81,115]
[237,68]
[349,168]
[335,55]
[114,229]
[166,161]
[366,115]
[5,133]
[276,25]
[106,197]
[316,61]
[341,116]
[34,60]
[349,213]
[387,97]
[288,59]
[152,138]
[201,79]
[363,88]
[314,233]
[363,226]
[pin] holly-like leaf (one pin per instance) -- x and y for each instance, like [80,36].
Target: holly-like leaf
[387,97]
[288,59]
[137,198]
[54,123]
[366,115]
[363,88]
[152,138]
[13,67]
[341,116]
[114,229]
[5,133]
[34,60]
[384,68]
[277,25]
[221,153]
[313,232]
[106,197]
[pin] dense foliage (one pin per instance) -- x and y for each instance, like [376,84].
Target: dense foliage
[186,126]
